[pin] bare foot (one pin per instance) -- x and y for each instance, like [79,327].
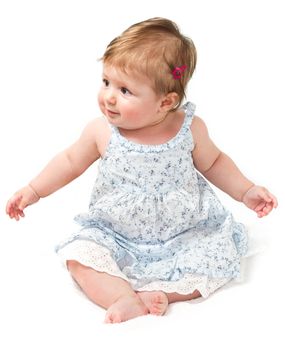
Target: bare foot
[155,301]
[125,308]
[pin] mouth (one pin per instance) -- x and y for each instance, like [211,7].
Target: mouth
[111,113]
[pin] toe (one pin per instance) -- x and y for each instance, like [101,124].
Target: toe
[112,318]
[108,318]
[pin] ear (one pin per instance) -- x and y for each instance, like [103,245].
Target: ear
[169,101]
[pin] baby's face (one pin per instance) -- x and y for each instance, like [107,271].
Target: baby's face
[128,101]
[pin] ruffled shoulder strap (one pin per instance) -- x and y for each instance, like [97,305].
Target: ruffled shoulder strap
[189,109]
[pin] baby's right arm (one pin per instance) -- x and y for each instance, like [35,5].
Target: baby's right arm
[61,170]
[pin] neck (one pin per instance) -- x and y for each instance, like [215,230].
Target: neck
[151,129]
[160,120]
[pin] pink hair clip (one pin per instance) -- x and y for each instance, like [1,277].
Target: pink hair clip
[177,72]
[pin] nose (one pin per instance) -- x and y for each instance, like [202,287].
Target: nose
[110,97]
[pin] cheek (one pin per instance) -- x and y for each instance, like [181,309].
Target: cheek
[129,111]
[100,98]
[100,101]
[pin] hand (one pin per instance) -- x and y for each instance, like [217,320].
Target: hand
[19,201]
[260,200]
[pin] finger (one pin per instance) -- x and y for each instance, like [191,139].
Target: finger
[8,207]
[274,200]
[269,197]
[15,212]
[265,210]
[259,207]
[12,212]
[13,202]
[261,214]
[19,212]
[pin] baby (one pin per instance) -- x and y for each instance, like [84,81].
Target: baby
[155,232]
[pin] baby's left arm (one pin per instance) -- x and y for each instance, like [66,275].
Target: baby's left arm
[219,169]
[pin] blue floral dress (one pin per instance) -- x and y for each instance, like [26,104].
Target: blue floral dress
[154,221]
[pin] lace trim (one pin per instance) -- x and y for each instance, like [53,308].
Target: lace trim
[99,258]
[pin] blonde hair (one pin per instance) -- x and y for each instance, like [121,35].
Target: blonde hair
[154,48]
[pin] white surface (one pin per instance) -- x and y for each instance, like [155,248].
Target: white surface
[48,82]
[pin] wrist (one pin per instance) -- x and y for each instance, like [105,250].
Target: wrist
[34,191]
[246,191]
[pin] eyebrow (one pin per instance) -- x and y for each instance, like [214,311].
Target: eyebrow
[118,82]
[105,75]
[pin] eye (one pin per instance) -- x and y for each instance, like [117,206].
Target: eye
[105,82]
[125,91]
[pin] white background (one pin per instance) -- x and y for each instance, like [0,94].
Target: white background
[49,77]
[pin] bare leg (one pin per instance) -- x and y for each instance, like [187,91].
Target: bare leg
[110,292]
[174,297]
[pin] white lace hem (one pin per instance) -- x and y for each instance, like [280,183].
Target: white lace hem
[91,254]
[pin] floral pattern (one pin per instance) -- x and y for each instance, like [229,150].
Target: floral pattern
[157,216]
